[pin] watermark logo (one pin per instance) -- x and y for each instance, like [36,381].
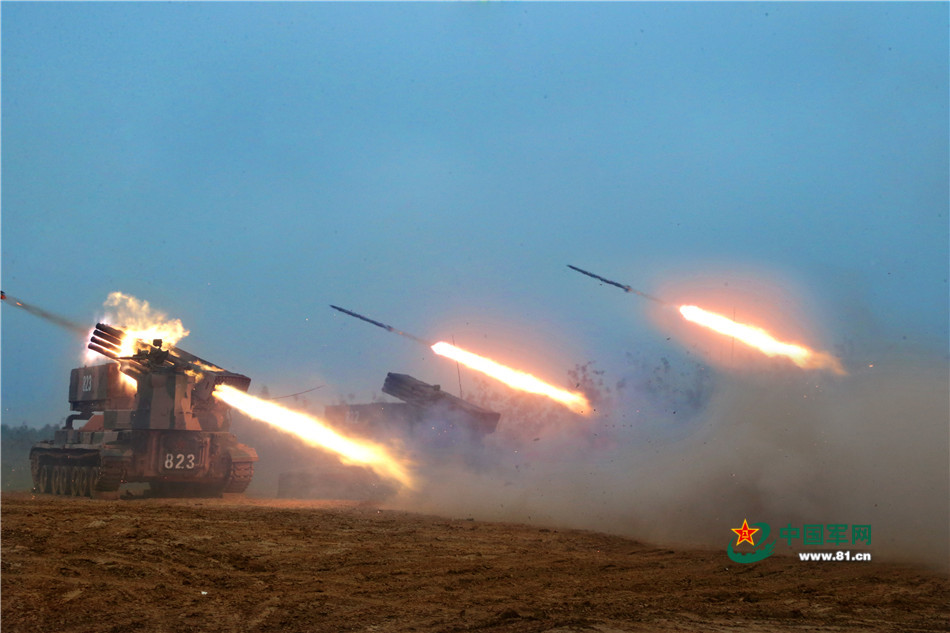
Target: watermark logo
[827,534]
[810,534]
[746,534]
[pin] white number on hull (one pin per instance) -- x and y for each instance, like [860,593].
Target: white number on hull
[179,461]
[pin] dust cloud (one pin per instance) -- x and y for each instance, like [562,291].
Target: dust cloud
[789,448]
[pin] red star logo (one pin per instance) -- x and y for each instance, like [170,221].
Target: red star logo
[745,533]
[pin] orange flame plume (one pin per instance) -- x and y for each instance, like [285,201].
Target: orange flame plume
[761,340]
[574,401]
[316,433]
[141,322]
[512,377]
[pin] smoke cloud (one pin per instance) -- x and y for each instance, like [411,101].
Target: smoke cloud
[784,447]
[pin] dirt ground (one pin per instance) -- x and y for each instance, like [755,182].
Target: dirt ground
[238,564]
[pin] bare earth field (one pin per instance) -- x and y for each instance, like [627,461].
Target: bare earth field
[236,564]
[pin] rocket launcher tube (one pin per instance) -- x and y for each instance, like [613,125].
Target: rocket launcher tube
[115,347]
[108,329]
[105,336]
[105,352]
[207,373]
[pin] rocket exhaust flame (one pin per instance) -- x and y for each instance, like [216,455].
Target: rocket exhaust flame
[514,378]
[754,337]
[748,334]
[315,433]
[761,340]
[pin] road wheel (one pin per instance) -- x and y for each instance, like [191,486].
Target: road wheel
[62,480]
[80,481]
[68,480]
[88,476]
[93,478]
[57,480]
[44,483]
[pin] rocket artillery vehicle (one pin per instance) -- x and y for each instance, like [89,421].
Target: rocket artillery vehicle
[423,406]
[149,417]
[435,423]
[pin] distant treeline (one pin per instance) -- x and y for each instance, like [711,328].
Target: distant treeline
[15,444]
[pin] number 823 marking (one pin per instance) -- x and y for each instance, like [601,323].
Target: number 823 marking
[179,461]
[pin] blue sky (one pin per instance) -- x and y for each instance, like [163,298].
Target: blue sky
[436,165]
